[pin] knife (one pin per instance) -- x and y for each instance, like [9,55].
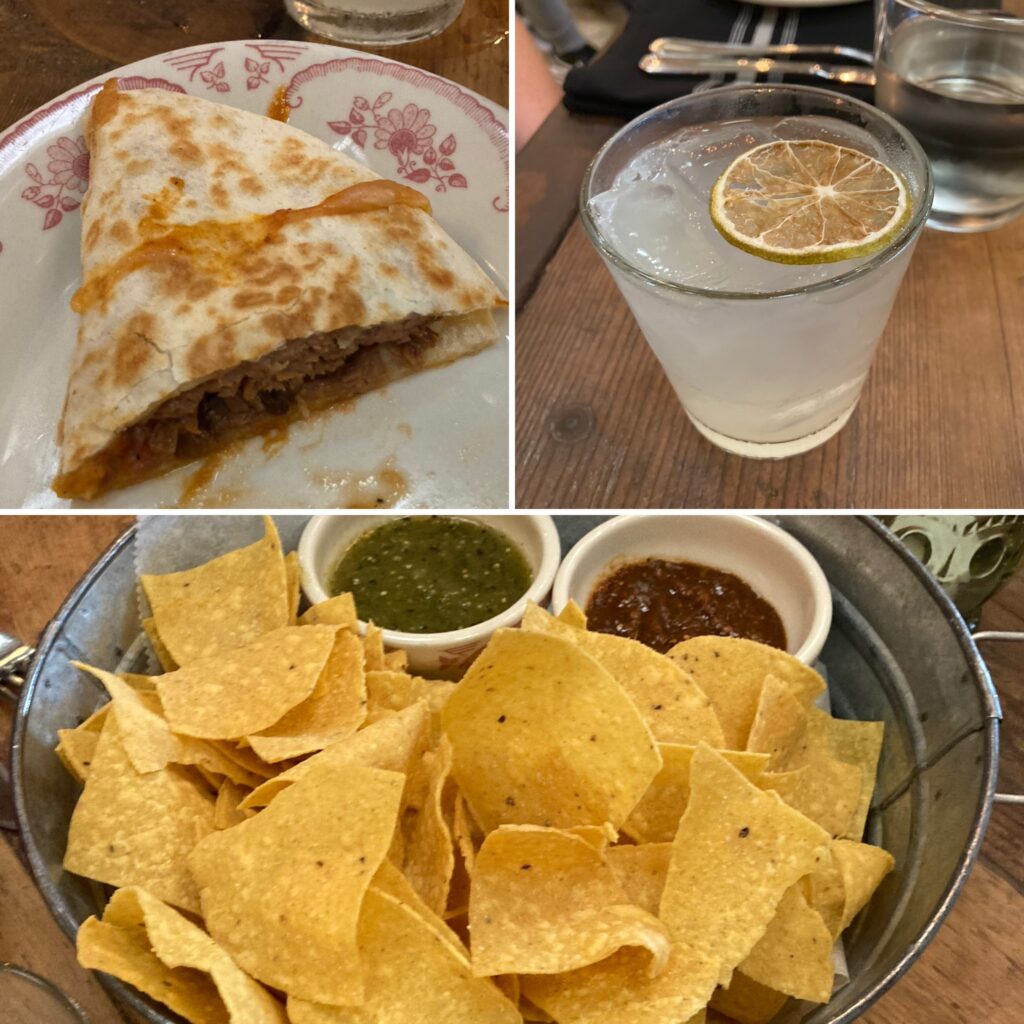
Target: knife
[654,64]
[676,46]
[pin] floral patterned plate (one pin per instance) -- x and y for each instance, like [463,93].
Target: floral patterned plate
[437,439]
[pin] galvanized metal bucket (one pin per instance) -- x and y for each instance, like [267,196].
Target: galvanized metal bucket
[898,651]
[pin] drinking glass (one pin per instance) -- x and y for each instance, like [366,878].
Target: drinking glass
[29,998]
[768,360]
[375,22]
[953,73]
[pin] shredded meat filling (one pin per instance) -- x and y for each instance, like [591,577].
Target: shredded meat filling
[270,387]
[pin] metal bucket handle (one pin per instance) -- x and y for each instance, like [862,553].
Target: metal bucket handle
[15,659]
[996,635]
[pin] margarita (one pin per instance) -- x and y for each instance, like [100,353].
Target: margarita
[768,358]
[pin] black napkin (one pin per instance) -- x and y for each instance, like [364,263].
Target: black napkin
[613,84]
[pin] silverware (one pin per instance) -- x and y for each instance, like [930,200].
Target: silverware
[673,46]
[654,64]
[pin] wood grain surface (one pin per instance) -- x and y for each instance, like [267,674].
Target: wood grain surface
[545,197]
[940,424]
[971,972]
[41,559]
[52,45]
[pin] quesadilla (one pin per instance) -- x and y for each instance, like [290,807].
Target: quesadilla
[238,273]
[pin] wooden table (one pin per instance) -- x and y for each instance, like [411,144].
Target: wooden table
[52,45]
[940,424]
[970,972]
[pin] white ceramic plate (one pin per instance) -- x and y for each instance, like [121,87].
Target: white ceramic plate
[439,438]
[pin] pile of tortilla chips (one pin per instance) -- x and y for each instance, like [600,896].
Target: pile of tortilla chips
[582,830]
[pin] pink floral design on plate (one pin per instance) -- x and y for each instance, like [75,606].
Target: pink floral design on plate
[276,53]
[69,176]
[214,78]
[258,71]
[408,135]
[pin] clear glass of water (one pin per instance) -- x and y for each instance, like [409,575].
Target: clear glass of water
[767,359]
[953,72]
[375,22]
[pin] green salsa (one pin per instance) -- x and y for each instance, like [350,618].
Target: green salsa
[431,574]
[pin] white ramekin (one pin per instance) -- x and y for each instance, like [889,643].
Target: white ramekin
[779,568]
[326,537]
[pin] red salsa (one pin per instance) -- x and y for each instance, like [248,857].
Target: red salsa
[661,603]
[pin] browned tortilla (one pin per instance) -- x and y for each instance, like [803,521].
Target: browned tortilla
[238,273]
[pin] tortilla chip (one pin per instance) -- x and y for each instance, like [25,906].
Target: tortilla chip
[428,856]
[826,790]
[77,747]
[393,744]
[293,583]
[163,656]
[390,879]
[210,781]
[467,834]
[747,1002]
[823,766]
[533,1013]
[543,735]
[641,871]
[509,987]
[392,691]
[335,611]
[741,849]
[148,739]
[412,974]
[149,945]
[335,709]
[373,648]
[794,955]
[855,743]
[140,684]
[780,724]
[133,829]
[246,759]
[396,661]
[226,603]
[545,901]
[731,672]
[597,836]
[825,892]
[281,892]
[226,812]
[863,867]
[146,736]
[668,699]
[655,819]
[620,990]
[573,615]
[249,688]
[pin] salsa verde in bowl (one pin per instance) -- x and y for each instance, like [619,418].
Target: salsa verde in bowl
[437,586]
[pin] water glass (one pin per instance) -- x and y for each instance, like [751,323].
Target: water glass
[953,73]
[375,22]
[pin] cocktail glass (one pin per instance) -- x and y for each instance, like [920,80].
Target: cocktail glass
[767,359]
